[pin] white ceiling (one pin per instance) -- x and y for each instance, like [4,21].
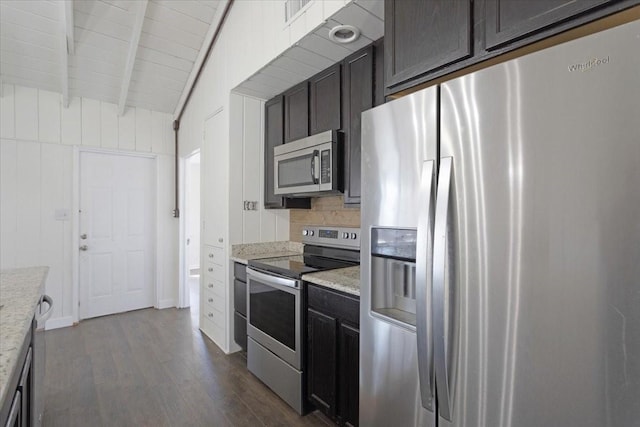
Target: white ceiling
[129,52]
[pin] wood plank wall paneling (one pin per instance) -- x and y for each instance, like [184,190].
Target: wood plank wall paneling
[324,211]
[36,167]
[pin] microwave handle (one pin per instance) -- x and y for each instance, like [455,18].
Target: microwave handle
[314,176]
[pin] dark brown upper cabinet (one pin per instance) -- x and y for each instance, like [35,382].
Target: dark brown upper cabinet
[508,20]
[378,72]
[325,97]
[274,136]
[421,36]
[428,39]
[296,112]
[358,97]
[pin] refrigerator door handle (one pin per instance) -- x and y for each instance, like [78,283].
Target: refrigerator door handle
[441,303]
[424,252]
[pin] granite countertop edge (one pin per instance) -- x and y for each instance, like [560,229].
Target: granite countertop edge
[20,292]
[342,279]
[245,252]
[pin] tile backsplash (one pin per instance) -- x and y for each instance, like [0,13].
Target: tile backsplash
[324,211]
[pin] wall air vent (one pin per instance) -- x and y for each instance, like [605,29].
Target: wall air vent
[292,7]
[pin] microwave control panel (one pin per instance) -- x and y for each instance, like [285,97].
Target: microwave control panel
[325,167]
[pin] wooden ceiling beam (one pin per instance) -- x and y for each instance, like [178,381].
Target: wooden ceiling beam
[131,55]
[68,14]
[66,29]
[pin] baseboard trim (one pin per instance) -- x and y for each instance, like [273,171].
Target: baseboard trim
[166,303]
[59,322]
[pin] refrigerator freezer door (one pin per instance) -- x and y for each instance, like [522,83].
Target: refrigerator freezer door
[544,290]
[397,139]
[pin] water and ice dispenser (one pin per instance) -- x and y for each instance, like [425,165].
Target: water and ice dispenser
[393,274]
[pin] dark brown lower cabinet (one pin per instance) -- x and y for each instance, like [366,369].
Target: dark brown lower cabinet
[240,305]
[333,354]
[348,373]
[321,375]
[16,410]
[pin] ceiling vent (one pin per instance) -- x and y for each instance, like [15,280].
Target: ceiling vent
[292,7]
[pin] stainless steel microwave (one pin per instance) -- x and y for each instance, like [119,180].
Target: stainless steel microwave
[309,166]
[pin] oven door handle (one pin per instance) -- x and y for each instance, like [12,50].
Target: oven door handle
[275,281]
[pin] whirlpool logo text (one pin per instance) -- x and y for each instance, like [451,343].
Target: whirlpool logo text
[588,65]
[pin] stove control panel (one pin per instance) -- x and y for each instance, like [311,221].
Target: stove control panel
[343,237]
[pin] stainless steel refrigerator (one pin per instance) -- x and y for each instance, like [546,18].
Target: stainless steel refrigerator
[501,244]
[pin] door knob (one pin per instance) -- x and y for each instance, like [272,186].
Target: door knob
[83,236]
[84,247]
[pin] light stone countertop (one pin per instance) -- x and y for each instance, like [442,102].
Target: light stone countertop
[20,292]
[242,253]
[342,279]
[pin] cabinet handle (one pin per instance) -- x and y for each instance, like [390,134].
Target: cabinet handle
[220,240]
[210,314]
[210,285]
[210,255]
[210,269]
[210,300]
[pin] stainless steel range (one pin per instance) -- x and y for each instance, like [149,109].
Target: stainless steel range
[275,317]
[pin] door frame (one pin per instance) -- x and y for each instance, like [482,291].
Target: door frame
[183,268]
[75,223]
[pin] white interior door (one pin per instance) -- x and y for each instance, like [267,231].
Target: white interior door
[117,233]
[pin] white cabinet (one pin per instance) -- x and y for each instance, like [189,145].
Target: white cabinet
[214,294]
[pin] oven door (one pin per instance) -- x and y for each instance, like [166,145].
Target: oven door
[274,316]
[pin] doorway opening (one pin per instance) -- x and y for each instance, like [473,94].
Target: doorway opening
[192,236]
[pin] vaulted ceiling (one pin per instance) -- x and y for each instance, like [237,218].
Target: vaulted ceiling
[129,52]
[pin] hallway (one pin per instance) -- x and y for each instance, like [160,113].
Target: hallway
[151,368]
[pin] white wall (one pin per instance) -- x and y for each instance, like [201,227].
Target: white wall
[37,139]
[253,35]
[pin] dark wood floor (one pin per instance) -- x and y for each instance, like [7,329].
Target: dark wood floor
[152,368]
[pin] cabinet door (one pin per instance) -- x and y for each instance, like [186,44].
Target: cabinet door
[510,20]
[321,361]
[274,136]
[325,100]
[348,374]
[378,72]
[358,90]
[296,112]
[240,330]
[421,36]
[215,179]
[240,297]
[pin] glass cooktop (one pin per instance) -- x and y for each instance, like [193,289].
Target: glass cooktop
[296,265]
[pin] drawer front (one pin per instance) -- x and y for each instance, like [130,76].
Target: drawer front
[332,303]
[240,330]
[214,271]
[214,299]
[212,330]
[214,255]
[213,286]
[240,297]
[240,271]
[213,314]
